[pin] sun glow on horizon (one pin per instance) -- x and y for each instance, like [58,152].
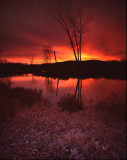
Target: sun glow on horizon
[39,60]
[63,53]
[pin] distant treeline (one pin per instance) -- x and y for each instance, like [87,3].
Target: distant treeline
[68,69]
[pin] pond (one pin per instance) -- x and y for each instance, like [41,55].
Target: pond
[89,90]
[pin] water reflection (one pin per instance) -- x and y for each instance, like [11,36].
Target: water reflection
[71,102]
[88,90]
[49,85]
[33,79]
[57,87]
[104,122]
[78,89]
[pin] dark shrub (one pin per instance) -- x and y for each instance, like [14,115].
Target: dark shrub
[27,96]
[70,103]
[13,99]
[111,108]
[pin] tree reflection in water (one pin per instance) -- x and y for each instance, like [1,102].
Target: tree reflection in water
[71,103]
[49,85]
[78,89]
[57,87]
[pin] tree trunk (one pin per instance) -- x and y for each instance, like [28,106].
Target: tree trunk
[72,44]
[55,56]
[80,36]
[80,45]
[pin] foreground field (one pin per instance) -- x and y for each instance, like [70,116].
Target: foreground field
[48,133]
[31,128]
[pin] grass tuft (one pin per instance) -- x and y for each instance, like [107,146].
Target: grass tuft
[70,103]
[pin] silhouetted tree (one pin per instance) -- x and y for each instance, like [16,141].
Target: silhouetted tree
[72,21]
[31,59]
[55,56]
[3,60]
[47,51]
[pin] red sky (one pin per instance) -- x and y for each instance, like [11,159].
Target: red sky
[25,26]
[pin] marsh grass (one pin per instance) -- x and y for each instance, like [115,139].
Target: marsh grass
[70,103]
[110,109]
[13,100]
[45,133]
[41,132]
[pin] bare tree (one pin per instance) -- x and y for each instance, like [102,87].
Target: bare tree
[72,21]
[55,56]
[2,60]
[47,53]
[31,59]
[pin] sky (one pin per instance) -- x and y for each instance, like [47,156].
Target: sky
[25,27]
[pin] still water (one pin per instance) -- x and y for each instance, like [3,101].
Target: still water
[86,89]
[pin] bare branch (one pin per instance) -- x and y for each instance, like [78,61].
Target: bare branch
[31,59]
[47,51]
[72,22]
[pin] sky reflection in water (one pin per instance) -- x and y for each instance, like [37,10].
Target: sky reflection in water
[95,89]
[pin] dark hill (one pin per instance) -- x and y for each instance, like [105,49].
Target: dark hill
[69,69]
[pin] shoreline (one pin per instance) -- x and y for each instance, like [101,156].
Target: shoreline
[68,69]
